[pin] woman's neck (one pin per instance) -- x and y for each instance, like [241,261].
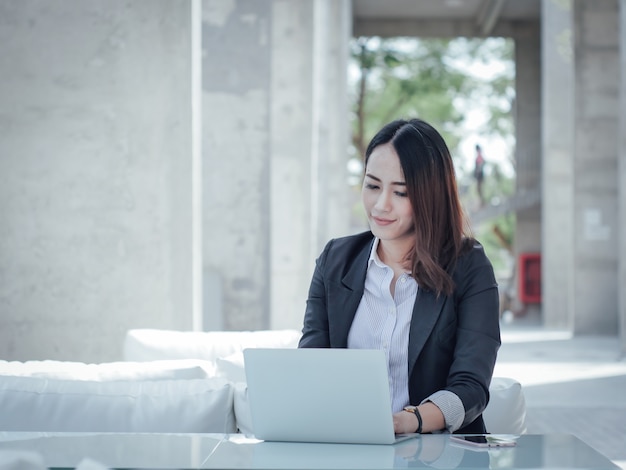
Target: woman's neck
[394,253]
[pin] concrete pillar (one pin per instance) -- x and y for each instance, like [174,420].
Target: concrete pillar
[309,142]
[291,142]
[236,93]
[597,70]
[95,175]
[331,133]
[621,146]
[274,105]
[333,21]
[528,136]
[558,162]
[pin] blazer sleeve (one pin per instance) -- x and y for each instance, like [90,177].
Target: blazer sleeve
[477,332]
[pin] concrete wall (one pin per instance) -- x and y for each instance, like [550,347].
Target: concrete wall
[274,105]
[165,164]
[309,140]
[557,87]
[291,143]
[597,70]
[528,136]
[583,247]
[236,88]
[621,145]
[331,125]
[95,171]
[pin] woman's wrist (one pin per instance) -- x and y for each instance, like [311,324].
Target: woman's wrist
[416,412]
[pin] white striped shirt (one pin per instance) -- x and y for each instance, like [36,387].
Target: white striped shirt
[383,322]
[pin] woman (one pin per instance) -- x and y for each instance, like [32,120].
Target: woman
[416,286]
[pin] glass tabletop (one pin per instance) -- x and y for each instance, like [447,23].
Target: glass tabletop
[194,451]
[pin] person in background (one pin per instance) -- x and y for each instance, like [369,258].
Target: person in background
[479,173]
[416,285]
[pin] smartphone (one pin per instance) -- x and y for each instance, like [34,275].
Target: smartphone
[484,440]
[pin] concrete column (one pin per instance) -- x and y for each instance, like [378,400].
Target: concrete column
[236,87]
[558,162]
[274,105]
[528,136]
[333,22]
[621,146]
[95,175]
[597,70]
[291,140]
[309,142]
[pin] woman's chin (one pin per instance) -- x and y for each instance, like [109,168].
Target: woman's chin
[391,235]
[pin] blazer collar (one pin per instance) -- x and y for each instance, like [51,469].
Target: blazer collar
[347,296]
[354,279]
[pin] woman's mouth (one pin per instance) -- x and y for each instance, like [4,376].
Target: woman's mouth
[381,222]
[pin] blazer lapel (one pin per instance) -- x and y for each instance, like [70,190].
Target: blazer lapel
[426,311]
[345,297]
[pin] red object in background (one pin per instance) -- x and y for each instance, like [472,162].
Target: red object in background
[530,278]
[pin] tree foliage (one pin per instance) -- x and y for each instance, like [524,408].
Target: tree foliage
[410,77]
[440,81]
[399,78]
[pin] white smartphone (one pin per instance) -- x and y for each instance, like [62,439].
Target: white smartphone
[484,440]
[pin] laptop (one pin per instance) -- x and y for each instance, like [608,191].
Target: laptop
[320,395]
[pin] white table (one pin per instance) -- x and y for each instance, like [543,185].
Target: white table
[190,451]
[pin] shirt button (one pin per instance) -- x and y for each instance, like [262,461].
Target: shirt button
[403,280]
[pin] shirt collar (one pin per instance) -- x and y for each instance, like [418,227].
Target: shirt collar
[374,258]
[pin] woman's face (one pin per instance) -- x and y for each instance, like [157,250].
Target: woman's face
[384,195]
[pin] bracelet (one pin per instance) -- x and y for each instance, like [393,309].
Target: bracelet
[413,409]
[419,421]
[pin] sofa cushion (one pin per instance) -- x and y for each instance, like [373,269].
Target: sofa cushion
[111,371]
[506,411]
[231,367]
[21,460]
[242,409]
[150,344]
[40,404]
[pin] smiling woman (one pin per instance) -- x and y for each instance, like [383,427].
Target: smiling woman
[385,199]
[417,286]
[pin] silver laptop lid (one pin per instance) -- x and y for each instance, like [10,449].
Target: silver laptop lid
[319,395]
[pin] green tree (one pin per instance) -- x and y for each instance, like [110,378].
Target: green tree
[439,80]
[403,77]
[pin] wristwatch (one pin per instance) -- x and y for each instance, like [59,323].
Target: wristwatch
[413,409]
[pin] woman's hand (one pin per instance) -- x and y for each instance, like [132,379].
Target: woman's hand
[432,419]
[404,422]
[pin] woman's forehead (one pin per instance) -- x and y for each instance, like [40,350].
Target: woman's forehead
[384,161]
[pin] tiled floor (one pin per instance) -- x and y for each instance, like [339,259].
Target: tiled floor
[574,385]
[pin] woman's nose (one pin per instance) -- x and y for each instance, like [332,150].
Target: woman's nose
[382,202]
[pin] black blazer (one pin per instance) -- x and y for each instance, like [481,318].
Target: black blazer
[453,340]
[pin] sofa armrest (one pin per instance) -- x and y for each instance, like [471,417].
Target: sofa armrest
[506,411]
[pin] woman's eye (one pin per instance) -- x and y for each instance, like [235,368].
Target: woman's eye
[401,194]
[370,186]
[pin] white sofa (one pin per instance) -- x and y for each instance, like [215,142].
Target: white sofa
[169,381]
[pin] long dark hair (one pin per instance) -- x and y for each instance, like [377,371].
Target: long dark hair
[442,233]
